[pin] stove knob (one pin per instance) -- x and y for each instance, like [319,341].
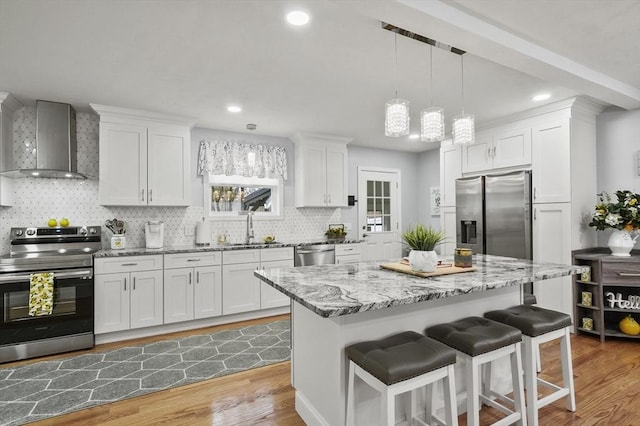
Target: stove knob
[83,231]
[31,231]
[19,232]
[92,231]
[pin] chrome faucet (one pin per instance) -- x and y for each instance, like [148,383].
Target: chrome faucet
[249,234]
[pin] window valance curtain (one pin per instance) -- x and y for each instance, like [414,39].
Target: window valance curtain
[235,158]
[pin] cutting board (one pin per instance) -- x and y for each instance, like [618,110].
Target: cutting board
[441,270]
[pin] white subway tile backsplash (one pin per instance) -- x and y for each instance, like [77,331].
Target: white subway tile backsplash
[37,200]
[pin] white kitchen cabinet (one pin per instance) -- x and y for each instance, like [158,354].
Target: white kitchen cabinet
[240,288]
[498,148]
[128,293]
[552,162]
[321,171]
[448,226]
[348,253]
[450,170]
[190,291]
[280,257]
[8,105]
[552,243]
[144,158]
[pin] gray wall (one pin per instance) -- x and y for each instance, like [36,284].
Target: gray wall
[618,144]
[428,176]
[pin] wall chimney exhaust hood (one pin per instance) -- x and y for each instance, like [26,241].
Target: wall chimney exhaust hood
[55,151]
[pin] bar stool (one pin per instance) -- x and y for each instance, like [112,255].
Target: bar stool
[401,363]
[539,325]
[480,341]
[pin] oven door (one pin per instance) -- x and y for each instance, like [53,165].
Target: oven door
[72,307]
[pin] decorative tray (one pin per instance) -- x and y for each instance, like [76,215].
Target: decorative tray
[444,269]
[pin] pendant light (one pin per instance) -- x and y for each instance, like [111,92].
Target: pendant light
[463,125]
[432,118]
[396,111]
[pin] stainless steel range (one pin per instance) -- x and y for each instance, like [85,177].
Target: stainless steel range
[68,254]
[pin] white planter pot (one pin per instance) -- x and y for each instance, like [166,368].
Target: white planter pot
[621,242]
[423,261]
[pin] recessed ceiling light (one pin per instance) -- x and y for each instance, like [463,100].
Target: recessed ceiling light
[414,136]
[298,18]
[234,108]
[541,97]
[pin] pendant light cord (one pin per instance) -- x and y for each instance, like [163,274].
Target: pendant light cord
[395,44]
[430,75]
[462,80]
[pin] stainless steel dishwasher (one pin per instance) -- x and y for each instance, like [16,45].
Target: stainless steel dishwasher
[319,254]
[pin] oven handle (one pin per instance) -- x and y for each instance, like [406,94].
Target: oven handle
[82,273]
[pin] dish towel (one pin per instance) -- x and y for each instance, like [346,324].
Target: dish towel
[40,294]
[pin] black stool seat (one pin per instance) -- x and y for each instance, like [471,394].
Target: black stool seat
[475,335]
[531,320]
[401,356]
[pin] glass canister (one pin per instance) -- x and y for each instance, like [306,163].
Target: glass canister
[462,257]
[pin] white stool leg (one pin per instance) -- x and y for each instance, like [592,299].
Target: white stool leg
[516,378]
[350,399]
[531,380]
[428,409]
[450,406]
[388,407]
[567,370]
[473,391]
[538,359]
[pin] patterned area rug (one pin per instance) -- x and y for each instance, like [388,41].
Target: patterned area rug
[50,388]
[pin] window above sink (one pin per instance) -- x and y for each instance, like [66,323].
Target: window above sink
[226,196]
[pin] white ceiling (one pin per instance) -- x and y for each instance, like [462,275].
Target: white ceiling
[194,57]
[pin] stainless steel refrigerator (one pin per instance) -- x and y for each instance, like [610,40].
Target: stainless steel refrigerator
[493,214]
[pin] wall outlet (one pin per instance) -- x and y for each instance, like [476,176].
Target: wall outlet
[189,231]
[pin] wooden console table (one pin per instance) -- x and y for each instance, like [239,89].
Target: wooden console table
[615,288]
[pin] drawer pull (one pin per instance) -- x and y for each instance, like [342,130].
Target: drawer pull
[129,264]
[629,274]
[193,260]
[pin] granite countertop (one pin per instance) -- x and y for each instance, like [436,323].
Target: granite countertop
[141,251]
[334,290]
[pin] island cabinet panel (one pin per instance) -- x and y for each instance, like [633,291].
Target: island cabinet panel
[606,295]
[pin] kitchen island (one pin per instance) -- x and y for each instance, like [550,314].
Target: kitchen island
[334,306]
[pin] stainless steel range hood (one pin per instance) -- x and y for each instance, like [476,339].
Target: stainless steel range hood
[56,145]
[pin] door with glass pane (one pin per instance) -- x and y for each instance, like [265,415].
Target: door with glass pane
[379,213]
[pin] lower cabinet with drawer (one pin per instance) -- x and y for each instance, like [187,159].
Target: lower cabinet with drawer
[348,253]
[128,293]
[607,294]
[192,286]
[241,290]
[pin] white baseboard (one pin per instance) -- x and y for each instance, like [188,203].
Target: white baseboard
[308,413]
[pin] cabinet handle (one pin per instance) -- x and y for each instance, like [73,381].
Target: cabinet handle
[535,214]
[535,190]
[125,284]
[629,274]
[142,195]
[494,152]
[193,260]
[189,278]
[150,195]
[489,152]
[329,198]
[134,283]
[129,264]
[198,277]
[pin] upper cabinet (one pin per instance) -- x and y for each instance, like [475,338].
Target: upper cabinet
[321,170]
[498,148]
[8,105]
[144,158]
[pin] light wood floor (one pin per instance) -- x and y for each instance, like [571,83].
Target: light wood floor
[607,378]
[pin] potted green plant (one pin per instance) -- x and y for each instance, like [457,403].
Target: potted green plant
[336,232]
[422,241]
